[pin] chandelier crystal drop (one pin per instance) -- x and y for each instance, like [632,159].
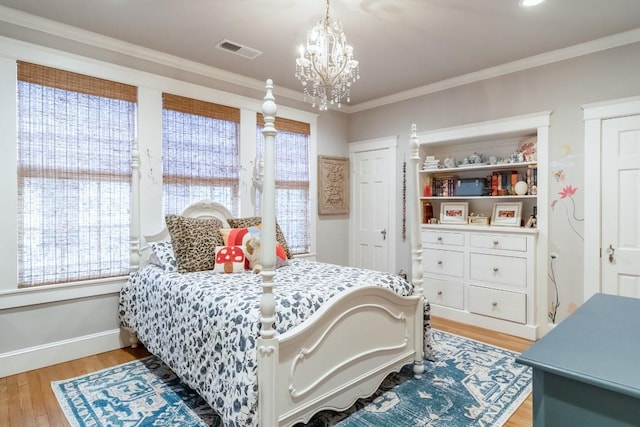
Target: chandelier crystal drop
[326,67]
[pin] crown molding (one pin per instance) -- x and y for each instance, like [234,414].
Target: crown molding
[610,42]
[48,26]
[69,32]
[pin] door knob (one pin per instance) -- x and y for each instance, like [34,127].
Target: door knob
[610,251]
[384,234]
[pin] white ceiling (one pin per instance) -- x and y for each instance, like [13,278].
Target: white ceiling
[402,45]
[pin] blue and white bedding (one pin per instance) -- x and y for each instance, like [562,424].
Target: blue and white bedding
[204,325]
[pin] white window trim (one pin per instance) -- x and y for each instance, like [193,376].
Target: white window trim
[60,292]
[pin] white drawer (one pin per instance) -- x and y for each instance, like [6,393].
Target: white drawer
[442,238]
[439,261]
[497,303]
[442,292]
[498,241]
[506,270]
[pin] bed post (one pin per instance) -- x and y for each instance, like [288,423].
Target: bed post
[267,350]
[416,244]
[134,229]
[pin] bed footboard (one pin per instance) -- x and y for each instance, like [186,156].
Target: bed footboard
[340,354]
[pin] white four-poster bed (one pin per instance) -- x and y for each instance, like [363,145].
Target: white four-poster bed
[332,355]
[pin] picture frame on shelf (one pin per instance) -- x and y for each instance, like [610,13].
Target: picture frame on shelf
[454,212]
[507,214]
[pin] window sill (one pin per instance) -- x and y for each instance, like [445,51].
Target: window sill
[311,256]
[66,291]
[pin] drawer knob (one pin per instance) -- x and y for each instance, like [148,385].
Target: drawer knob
[439,262]
[439,238]
[439,292]
[494,304]
[495,269]
[495,242]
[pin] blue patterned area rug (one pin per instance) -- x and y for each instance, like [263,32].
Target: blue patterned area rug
[469,384]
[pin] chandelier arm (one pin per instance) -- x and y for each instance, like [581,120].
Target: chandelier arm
[326,16]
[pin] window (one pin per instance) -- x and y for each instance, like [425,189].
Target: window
[200,153]
[292,180]
[75,134]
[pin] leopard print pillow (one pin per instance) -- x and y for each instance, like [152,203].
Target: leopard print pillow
[253,221]
[194,241]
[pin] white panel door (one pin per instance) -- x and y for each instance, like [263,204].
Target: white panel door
[371,195]
[621,206]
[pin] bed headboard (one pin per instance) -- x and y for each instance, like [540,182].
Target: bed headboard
[201,209]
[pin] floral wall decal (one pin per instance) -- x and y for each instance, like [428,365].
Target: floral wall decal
[565,205]
[567,193]
[553,311]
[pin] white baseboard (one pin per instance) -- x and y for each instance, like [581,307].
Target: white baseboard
[40,356]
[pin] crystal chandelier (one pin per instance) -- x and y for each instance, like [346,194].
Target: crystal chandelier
[326,66]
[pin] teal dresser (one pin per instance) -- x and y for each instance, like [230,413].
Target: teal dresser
[586,371]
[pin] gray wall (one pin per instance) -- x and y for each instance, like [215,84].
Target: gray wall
[332,230]
[561,87]
[32,326]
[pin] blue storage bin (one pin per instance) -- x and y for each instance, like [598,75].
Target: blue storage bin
[470,187]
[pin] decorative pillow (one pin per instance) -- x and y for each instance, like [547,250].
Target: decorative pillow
[254,254]
[249,237]
[256,220]
[194,241]
[239,236]
[163,256]
[229,259]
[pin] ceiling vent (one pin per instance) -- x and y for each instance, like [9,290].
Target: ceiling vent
[238,49]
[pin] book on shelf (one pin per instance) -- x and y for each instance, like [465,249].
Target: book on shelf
[443,186]
[494,184]
[503,183]
[531,178]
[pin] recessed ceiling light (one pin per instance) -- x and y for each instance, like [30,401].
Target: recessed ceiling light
[530,3]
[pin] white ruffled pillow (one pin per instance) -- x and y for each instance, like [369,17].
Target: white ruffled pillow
[163,256]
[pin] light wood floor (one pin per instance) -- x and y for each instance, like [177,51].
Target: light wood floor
[27,399]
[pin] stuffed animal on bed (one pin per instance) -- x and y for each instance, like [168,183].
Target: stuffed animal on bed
[253,254]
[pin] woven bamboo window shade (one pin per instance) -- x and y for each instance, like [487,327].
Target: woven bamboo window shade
[75,134]
[287,125]
[292,180]
[201,153]
[66,80]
